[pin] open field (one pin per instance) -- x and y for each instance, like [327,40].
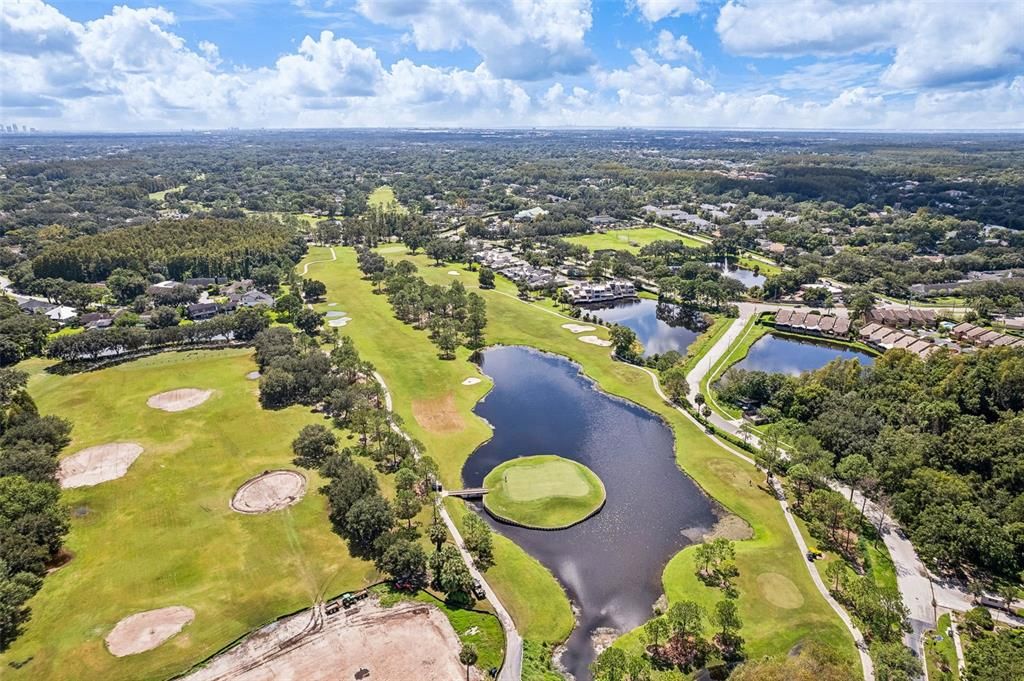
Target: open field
[161,195]
[383,198]
[543,491]
[164,534]
[631,240]
[415,375]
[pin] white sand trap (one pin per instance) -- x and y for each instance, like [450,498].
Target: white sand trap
[180,399]
[146,630]
[97,464]
[334,314]
[577,328]
[472,380]
[253,375]
[594,340]
[453,273]
[332,304]
[270,491]
[343,321]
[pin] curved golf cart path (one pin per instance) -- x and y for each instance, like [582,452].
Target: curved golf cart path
[305,267]
[862,648]
[512,669]
[922,593]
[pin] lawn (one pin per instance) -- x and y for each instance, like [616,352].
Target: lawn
[383,198]
[164,534]
[417,379]
[544,491]
[631,240]
[940,653]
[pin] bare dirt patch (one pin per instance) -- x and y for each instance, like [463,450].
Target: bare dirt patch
[180,399]
[731,527]
[97,464]
[594,340]
[146,630]
[780,591]
[438,415]
[270,491]
[578,328]
[366,641]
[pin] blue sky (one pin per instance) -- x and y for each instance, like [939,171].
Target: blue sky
[820,64]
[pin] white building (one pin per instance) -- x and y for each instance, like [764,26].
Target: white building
[585,292]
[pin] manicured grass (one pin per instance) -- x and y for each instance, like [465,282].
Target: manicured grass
[161,195]
[544,491]
[164,534]
[705,341]
[383,198]
[408,362]
[940,656]
[631,240]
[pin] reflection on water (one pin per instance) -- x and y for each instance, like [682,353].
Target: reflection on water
[746,277]
[792,356]
[610,564]
[659,327]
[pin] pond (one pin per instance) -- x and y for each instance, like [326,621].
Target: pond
[610,564]
[786,355]
[746,277]
[658,326]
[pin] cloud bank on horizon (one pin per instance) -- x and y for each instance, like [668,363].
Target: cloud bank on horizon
[874,64]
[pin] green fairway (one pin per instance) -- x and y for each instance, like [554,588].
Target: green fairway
[546,492]
[383,198]
[425,388]
[631,240]
[163,534]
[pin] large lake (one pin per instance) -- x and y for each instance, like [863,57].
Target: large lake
[793,356]
[611,564]
[657,333]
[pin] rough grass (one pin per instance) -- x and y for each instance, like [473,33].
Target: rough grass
[543,491]
[413,373]
[631,240]
[163,534]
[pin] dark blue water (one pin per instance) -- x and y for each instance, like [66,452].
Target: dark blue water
[657,334]
[792,356]
[610,564]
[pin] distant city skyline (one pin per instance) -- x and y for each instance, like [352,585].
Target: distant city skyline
[751,64]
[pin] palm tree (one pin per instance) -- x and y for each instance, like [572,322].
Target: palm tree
[468,657]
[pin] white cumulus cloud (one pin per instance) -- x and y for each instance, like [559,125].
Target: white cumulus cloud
[656,10]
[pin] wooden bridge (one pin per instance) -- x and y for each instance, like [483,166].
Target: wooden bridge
[468,493]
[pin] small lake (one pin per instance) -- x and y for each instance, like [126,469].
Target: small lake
[659,330]
[746,277]
[610,564]
[794,356]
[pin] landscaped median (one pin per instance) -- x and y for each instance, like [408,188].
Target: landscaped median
[543,492]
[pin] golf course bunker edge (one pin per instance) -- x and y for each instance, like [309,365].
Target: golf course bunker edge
[269,491]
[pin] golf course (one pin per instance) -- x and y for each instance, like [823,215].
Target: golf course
[543,492]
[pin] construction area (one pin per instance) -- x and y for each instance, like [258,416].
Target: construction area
[329,642]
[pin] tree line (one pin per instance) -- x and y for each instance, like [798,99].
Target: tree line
[33,522]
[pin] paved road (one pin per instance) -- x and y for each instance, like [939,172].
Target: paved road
[512,669]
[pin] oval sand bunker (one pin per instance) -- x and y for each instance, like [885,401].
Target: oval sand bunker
[270,491]
[146,630]
[97,464]
[180,399]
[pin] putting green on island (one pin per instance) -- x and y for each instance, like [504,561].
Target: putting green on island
[543,492]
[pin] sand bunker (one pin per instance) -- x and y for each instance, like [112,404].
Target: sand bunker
[472,380]
[270,491]
[253,375]
[97,464]
[146,630]
[594,340]
[577,328]
[334,314]
[453,273]
[366,641]
[342,321]
[332,304]
[180,399]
